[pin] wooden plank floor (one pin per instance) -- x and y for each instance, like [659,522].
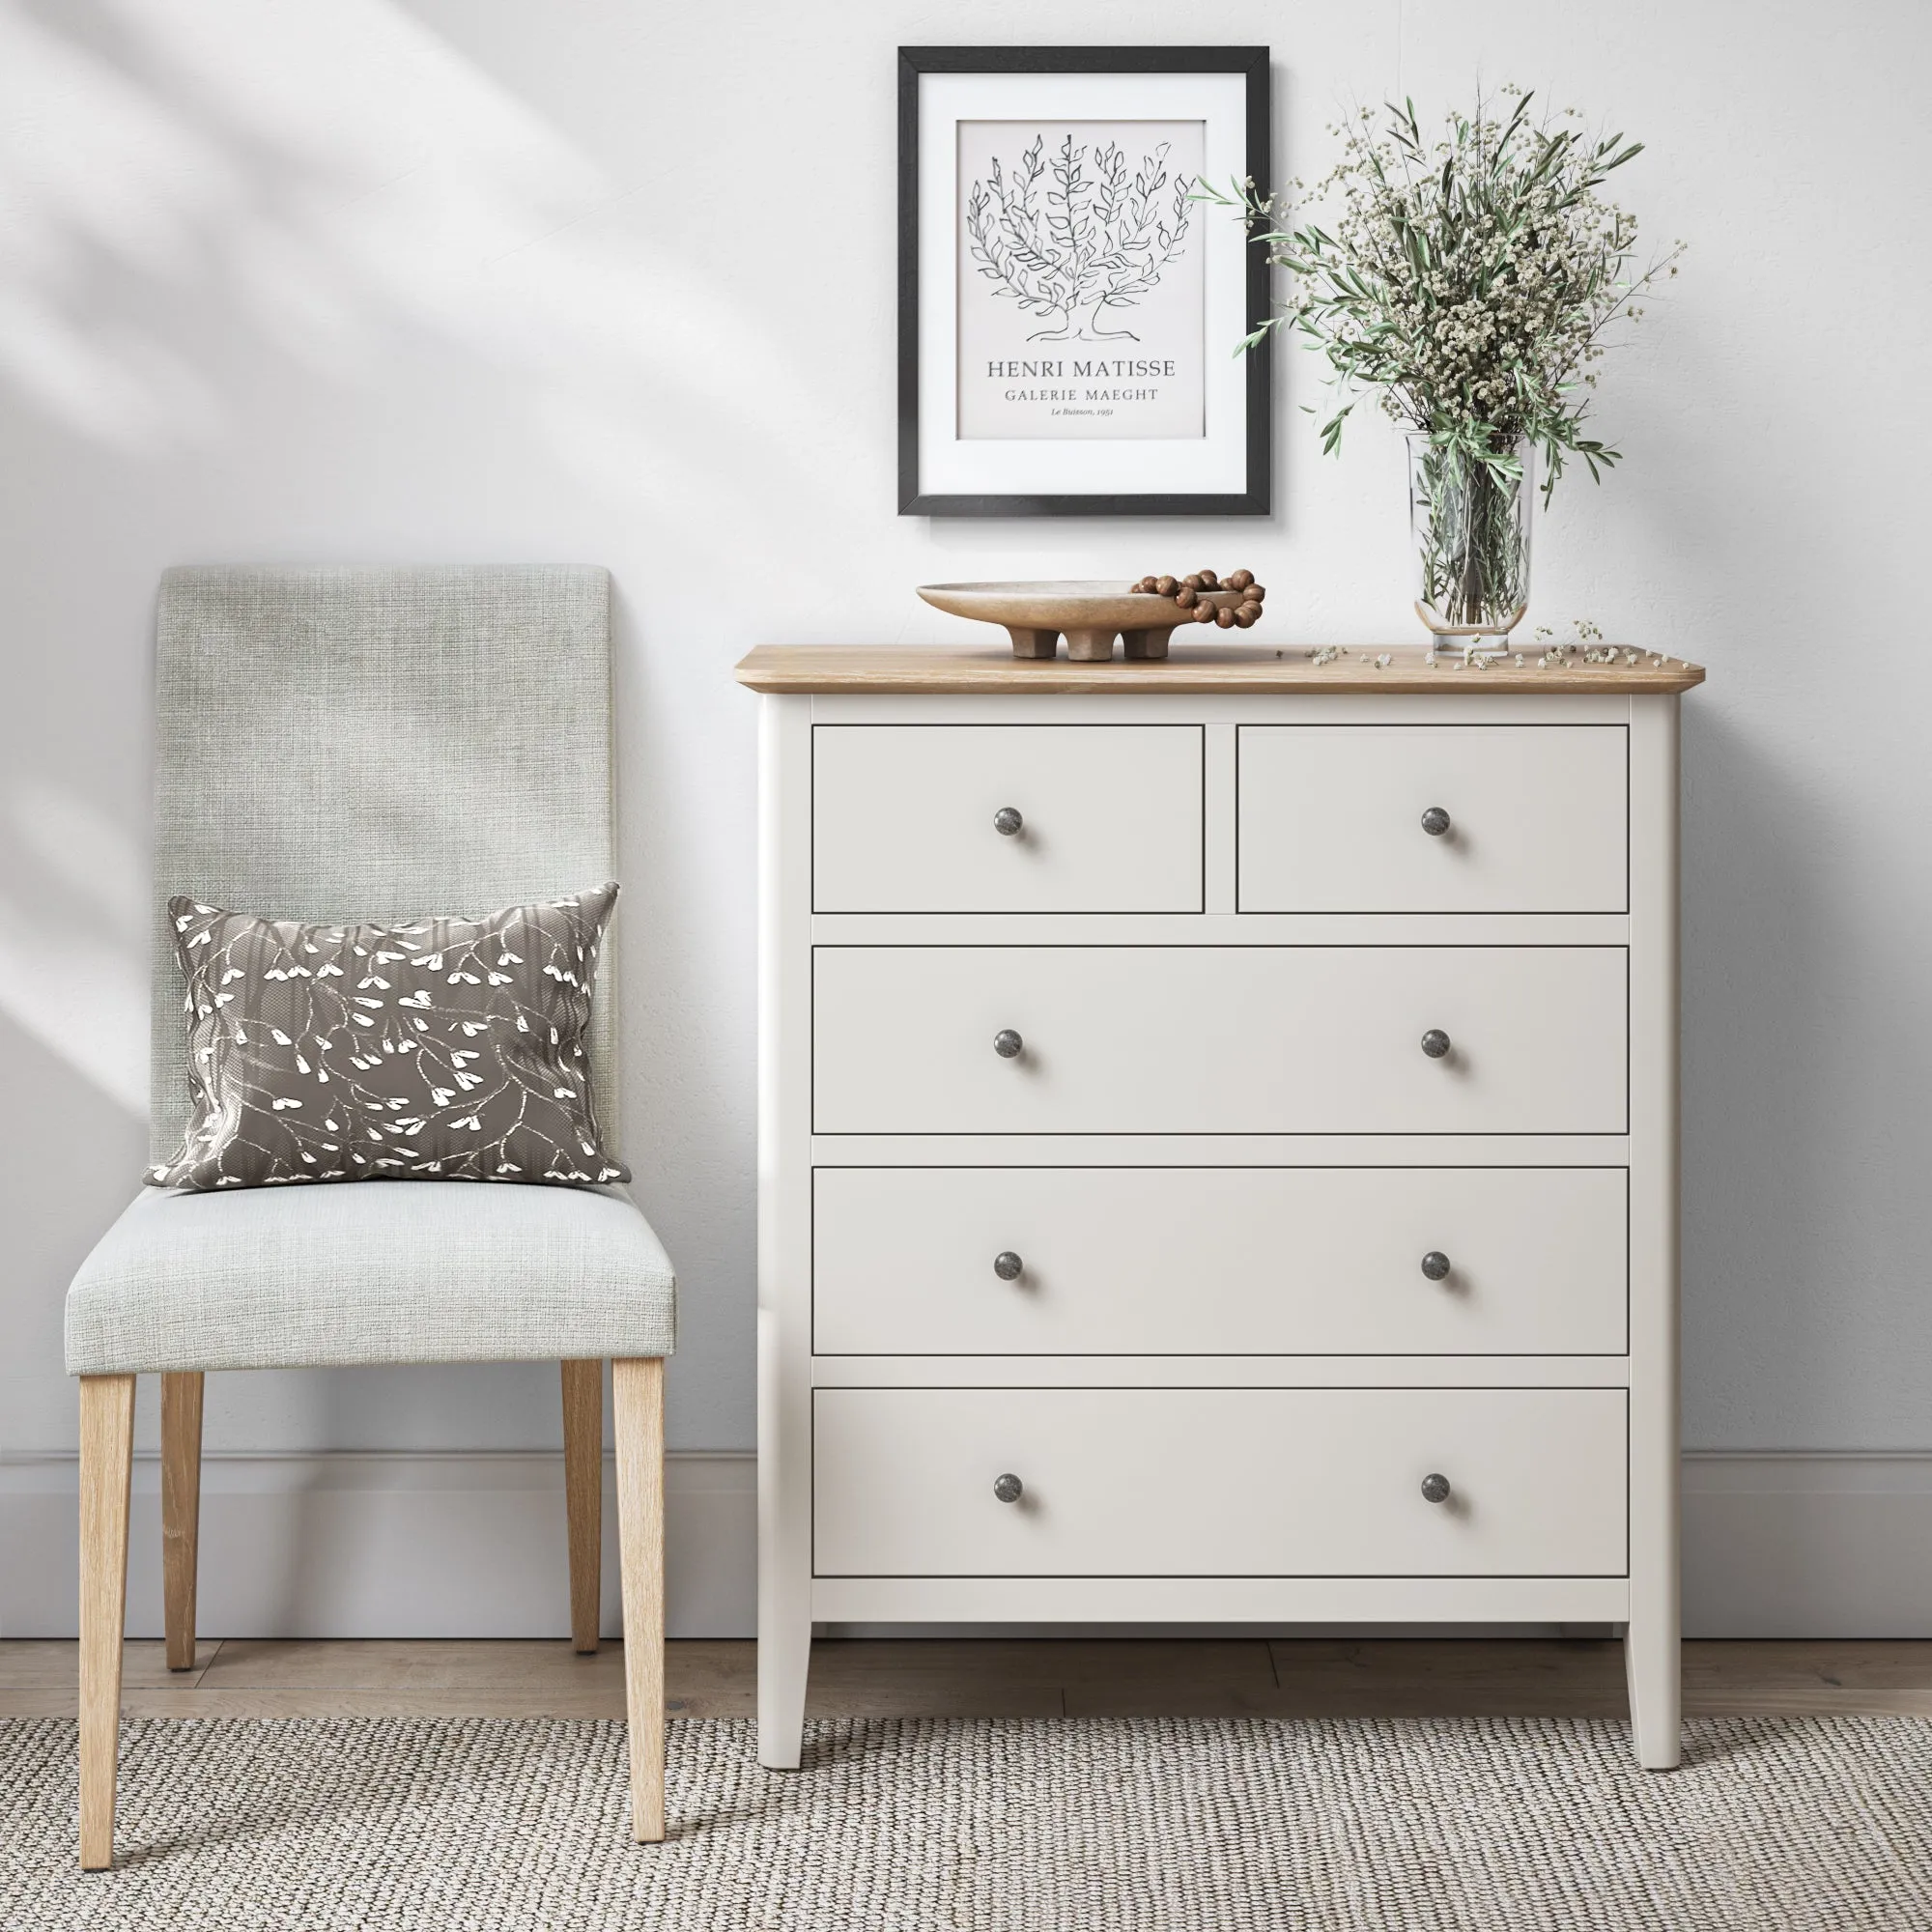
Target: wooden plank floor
[1126,1677]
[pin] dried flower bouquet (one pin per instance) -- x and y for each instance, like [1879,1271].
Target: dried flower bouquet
[1469,283]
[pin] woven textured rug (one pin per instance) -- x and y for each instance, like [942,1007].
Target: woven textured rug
[1144,1825]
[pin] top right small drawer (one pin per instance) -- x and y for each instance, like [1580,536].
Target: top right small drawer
[1432,818]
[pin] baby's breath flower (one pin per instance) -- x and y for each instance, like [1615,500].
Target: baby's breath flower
[1467,281]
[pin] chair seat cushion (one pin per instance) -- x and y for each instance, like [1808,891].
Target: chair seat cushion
[392,1271]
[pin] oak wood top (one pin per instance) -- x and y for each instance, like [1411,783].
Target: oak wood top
[1193,667]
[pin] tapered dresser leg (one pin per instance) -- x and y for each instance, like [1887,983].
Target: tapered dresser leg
[583,1495]
[784,1542]
[784,1665]
[1653,1666]
[106,1468]
[637,1389]
[180,1511]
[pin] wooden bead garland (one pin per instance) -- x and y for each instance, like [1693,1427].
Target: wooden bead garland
[1187,593]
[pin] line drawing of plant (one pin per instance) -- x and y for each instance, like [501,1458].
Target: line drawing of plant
[1071,235]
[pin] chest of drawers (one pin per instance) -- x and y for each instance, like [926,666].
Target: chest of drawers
[1217,1148]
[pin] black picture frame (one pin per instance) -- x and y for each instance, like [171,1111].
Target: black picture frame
[1255,499]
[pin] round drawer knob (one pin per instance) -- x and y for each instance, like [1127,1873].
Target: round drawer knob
[1434,1042]
[1436,1264]
[1006,1043]
[1435,1488]
[1008,822]
[1436,821]
[1007,1265]
[1009,1489]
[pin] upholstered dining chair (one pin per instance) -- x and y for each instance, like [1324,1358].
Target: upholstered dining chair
[373,745]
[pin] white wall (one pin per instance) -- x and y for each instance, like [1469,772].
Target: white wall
[612,280]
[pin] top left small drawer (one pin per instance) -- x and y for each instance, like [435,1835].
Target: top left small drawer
[1003,818]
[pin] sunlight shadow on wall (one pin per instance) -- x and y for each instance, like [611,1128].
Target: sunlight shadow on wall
[84,1001]
[94,175]
[74,938]
[340,181]
[83,855]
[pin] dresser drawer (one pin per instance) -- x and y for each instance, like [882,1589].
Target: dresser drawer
[1331,818]
[1276,1482]
[1218,1039]
[903,818]
[1219,1260]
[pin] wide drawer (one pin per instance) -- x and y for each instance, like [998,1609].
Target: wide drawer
[1109,818]
[1218,1039]
[1251,1482]
[1331,818]
[1096,1261]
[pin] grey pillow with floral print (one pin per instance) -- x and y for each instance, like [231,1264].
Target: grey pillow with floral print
[449,1049]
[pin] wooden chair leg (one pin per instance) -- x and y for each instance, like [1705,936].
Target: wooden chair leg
[637,1391]
[583,1495]
[181,1510]
[106,1468]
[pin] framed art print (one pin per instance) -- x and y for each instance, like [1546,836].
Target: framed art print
[1069,315]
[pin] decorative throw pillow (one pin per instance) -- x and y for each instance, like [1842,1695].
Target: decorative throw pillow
[445,1048]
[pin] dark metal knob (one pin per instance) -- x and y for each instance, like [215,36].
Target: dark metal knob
[1007,1265]
[1436,821]
[1434,1042]
[1006,1043]
[1435,1488]
[1009,1489]
[1436,1264]
[1007,822]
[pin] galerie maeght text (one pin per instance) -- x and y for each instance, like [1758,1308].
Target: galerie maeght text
[1058,369]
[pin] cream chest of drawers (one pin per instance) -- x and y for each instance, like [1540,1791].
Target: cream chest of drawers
[1217,1155]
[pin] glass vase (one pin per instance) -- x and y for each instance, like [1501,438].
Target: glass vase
[1469,535]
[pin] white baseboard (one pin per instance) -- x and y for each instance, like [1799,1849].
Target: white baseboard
[473,1545]
[1808,1544]
[402,1544]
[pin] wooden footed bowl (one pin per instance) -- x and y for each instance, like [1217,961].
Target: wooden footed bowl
[1091,616]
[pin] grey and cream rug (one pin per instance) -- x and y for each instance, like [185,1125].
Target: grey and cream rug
[1141,1825]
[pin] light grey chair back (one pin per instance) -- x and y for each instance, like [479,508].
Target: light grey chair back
[378,744]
